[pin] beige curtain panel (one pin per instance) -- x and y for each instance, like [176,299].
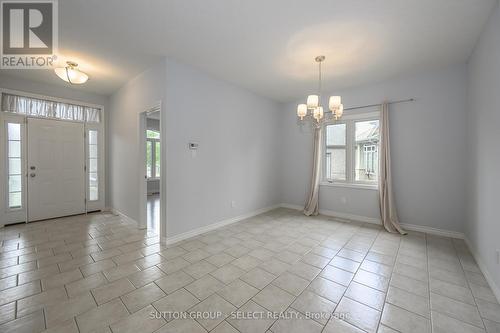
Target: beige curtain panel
[388,211]
[312,205]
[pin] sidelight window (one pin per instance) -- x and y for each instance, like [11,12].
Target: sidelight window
[14,165]
[93,165]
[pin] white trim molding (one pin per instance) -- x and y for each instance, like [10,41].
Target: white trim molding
[433,231]
[123,216]
[343,216]
[484,269]
[326,212]
[215,225]
[373,220]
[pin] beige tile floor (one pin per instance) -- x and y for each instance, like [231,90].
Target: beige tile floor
[277,272]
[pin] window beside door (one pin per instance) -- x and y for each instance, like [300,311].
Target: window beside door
[153,150]
[351,154]
[14,166]
[93,164]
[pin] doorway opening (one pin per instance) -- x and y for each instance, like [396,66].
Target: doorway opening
[153,170]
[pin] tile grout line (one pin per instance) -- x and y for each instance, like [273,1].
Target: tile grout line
[429,281]
[346,287]
[468,285]
[456,300]
[389,284]
[145,243]
[271,282]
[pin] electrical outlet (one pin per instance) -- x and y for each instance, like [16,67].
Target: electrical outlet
[233,204]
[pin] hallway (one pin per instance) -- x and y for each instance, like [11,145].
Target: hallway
[153,213]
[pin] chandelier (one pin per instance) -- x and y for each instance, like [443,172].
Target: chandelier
[313,103]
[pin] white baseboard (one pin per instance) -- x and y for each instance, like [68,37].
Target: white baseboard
[351,217]
[326,212]
[290,206]
[216,225]
[343,216]
[433,231]
[482,266]
[123,216]
[372,220]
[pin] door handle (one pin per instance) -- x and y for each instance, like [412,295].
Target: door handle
[32,175]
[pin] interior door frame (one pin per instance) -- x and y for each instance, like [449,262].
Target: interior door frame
[102,126]
[142,126]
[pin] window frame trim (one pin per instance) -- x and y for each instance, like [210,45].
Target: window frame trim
[350,181]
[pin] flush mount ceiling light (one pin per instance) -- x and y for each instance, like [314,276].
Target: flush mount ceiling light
[71,74]
[314,103]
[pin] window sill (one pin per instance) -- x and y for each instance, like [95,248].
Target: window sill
[351,185]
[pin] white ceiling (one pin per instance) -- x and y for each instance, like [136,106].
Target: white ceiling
[265,46]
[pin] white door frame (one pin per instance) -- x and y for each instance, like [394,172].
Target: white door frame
[142,170]
[4,214]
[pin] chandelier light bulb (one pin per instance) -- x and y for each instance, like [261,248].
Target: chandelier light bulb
[339,112]
[312,101]
[334,102]
[318,113]
[301,111]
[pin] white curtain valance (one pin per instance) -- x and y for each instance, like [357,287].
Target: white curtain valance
[36,107]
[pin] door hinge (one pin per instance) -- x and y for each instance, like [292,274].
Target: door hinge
[84,168]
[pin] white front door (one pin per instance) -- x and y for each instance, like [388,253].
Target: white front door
[56,174]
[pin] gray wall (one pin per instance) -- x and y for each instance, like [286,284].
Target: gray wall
[428,151]
[483,227]
[236,160]
[136,96]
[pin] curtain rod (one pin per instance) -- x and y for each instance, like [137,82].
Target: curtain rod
[371,105]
